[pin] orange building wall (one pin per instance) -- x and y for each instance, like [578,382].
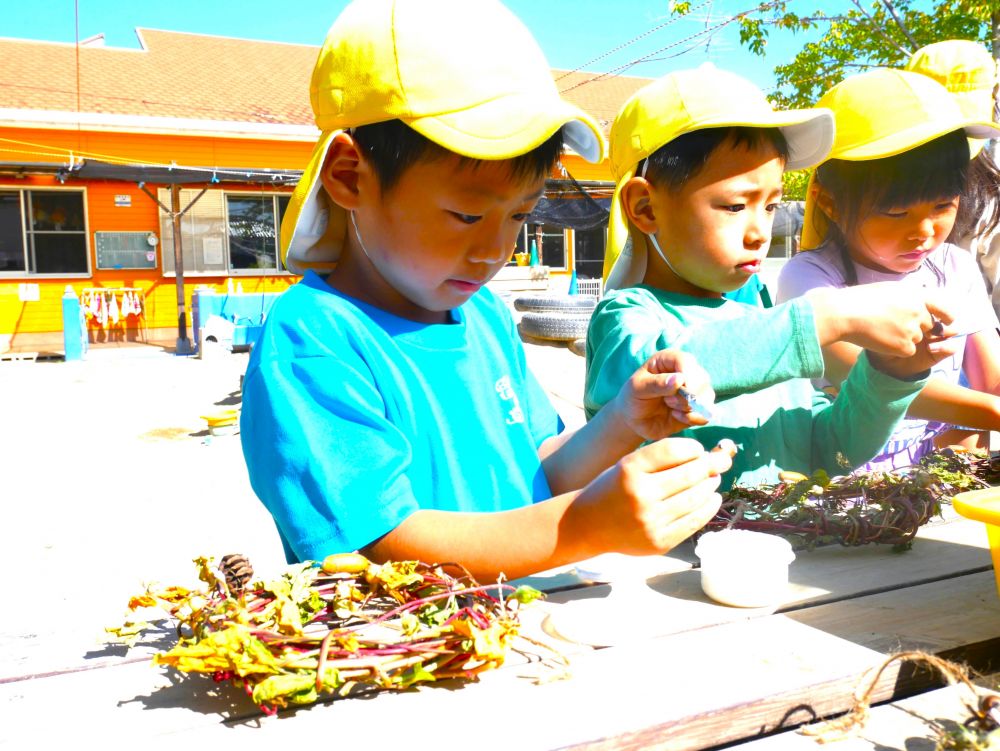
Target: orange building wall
[36,145]
[37,325]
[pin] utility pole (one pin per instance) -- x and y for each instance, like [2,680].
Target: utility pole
[183,343]
[175,212]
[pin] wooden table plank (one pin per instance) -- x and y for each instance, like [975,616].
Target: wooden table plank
[691,689]
[935,617]
[32,642]
[673,601]
[665,693]
[683,672]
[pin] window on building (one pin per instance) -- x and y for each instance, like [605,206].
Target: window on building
[550,241]
[225,233]
[43,232]
[252,232]
[12,256]
[589,247]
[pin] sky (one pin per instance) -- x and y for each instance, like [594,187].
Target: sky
[571,32]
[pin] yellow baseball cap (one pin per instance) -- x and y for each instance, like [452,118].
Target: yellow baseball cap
[465,74]
[679,103]
[965,68]
[882,113]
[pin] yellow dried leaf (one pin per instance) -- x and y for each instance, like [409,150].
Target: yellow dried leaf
[142,601]
[232,648]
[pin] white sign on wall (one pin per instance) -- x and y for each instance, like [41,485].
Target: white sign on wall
[123,199]
[28,292]
[211,251]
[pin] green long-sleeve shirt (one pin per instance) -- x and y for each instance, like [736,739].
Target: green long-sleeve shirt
[760,362]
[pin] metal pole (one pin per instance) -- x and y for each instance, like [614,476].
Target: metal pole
[183,343]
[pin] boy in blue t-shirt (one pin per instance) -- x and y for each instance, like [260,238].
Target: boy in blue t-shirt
[387,405]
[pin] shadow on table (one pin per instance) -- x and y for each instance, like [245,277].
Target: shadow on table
[233,706]
[199,693]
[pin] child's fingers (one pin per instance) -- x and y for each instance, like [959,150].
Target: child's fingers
[646,385]
[664,454]
[680,516]
[940,349]
[940,331]
[689,400]
[671,361]
[684,502]
[677,479]
[686,416]
[941,308]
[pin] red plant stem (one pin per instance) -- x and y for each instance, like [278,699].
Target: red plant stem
[413,604]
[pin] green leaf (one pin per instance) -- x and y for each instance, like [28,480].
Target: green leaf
[286,688]
[409,624]
[415,674]
[525,594]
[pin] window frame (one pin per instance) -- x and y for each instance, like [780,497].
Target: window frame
[27,236]
[276,215]
[568,247]
[229,271]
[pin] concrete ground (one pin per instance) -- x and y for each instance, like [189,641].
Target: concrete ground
[109,479]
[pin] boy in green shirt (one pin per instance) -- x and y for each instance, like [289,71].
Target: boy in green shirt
[699,156]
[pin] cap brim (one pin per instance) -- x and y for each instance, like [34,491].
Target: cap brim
[917,135]
[312,229]
[809,133]
[513,125]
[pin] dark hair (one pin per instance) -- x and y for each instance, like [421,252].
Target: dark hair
[679,160]
[980,201]
[392,147]
[937,169]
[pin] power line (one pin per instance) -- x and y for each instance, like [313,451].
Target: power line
[696,35]
[622,46]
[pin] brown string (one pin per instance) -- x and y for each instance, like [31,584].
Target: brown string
[852,722]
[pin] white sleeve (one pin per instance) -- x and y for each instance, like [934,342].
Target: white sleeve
[805,271]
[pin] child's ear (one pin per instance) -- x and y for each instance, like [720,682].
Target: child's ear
[825,202]
[636,198]
[341,171]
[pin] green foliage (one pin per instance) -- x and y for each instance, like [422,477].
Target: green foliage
[857,37]
[860,507]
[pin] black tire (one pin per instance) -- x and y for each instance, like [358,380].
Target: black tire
[553,303]
[563,327]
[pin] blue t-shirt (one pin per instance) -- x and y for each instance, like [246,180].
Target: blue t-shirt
[354,418]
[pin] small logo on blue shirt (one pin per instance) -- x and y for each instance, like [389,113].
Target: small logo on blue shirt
[514,415]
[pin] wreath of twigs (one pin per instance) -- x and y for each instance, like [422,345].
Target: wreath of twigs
[860,508]
[332,628]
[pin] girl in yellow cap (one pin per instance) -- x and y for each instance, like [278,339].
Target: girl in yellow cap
[969,72]
[880,210]
[698,157]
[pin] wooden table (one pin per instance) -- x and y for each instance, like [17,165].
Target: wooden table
[653,664]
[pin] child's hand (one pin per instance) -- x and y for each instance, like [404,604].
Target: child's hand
[650,404]
[651,500]
[887,318]
[936,345]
